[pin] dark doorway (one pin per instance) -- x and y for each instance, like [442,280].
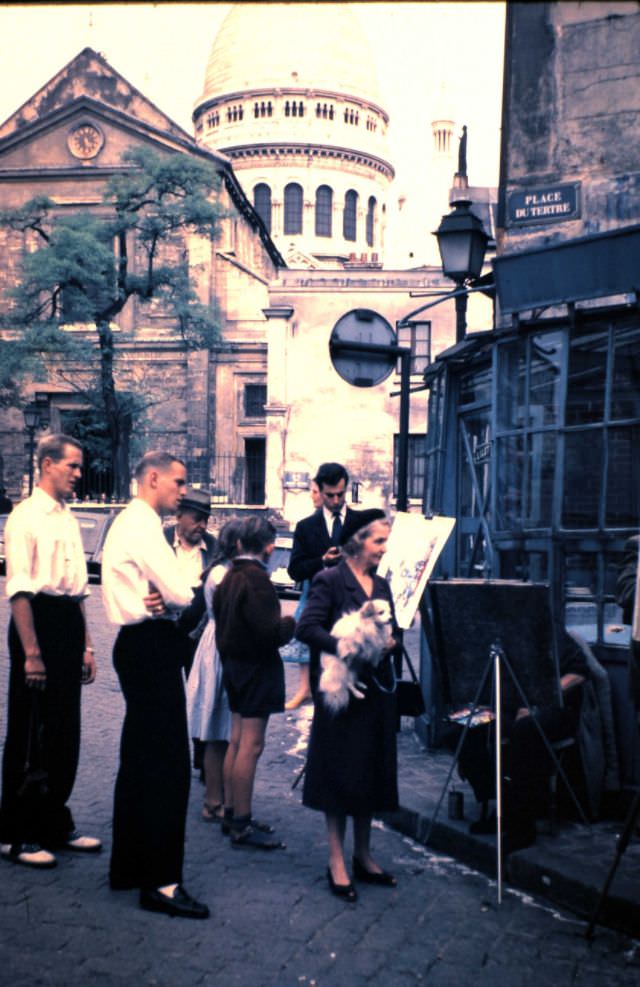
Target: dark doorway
[255,451]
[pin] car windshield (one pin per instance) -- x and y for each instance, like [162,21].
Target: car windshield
[279,558]
[90,530]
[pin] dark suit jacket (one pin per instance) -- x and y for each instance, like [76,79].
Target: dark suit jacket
[310,541]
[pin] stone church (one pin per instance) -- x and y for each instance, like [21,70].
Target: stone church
[298,139]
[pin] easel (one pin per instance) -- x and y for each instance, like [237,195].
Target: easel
[623,843]
[496,663]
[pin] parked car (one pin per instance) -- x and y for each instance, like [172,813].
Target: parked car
[278,562]
[94,525]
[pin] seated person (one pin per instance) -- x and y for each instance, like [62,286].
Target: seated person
[526,763]
[625,598]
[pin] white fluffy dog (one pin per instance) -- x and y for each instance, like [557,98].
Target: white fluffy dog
[363,638]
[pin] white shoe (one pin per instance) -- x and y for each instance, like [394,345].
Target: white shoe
[30,854]
[82,844]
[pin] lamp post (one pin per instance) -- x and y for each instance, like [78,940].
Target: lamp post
[31,414]
[462,242]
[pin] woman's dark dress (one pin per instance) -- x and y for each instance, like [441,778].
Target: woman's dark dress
[351,763]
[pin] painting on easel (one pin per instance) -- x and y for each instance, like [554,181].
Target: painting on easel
[414,546]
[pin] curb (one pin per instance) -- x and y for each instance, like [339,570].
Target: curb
[572,881]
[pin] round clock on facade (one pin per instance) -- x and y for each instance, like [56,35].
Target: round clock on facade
[85,141]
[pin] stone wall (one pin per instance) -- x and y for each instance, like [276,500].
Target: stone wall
[571,116]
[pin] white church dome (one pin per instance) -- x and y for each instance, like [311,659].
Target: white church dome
[304,45]
[291,96]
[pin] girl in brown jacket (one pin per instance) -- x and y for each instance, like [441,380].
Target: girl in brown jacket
[249,631]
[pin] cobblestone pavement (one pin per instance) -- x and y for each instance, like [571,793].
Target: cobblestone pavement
[273,920]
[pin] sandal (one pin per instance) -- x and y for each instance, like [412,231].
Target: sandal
[212,813]
[250,836]
[262,827]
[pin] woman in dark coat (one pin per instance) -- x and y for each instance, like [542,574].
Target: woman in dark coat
[351,765]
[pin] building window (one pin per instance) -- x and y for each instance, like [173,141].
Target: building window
[416,458]
[293,208]
[82,296]
[213,119]
[417,337]
[350,215]
[371,220]
[262,203]
[255,398]
[324,207]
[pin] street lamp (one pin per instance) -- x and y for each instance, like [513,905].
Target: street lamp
[31,414]
[462,242]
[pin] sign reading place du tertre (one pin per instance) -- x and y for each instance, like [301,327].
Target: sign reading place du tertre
[547,204]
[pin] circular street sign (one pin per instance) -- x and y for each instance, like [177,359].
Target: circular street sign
[351,335]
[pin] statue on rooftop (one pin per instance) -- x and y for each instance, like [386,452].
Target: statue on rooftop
[462,154]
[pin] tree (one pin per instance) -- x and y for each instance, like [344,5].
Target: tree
[86,266]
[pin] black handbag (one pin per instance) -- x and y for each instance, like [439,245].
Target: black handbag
[409,698]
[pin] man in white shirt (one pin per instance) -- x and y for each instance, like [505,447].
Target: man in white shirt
[144,592]
[51,657]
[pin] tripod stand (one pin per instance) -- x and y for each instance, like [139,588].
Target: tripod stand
[496,662]
[623,843]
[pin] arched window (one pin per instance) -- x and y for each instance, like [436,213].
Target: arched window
[262,203]
[324,206]
[293,208]
[287,109]
[371,220]
[350,215]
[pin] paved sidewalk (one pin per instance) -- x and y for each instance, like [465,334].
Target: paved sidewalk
[273,923]
[568,868]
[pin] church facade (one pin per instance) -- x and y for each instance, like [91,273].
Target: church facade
[65,143]
[255,416]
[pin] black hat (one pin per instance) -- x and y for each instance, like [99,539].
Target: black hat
[360,519]
[196,500]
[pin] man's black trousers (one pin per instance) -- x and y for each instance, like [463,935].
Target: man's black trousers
[152,786]
[51,719]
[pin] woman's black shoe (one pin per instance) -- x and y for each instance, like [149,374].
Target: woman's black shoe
[345,891]
[373,877]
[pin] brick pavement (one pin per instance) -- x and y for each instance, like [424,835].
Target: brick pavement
[274,922]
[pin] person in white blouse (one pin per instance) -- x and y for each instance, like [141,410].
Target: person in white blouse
[51,657]
[144,592]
